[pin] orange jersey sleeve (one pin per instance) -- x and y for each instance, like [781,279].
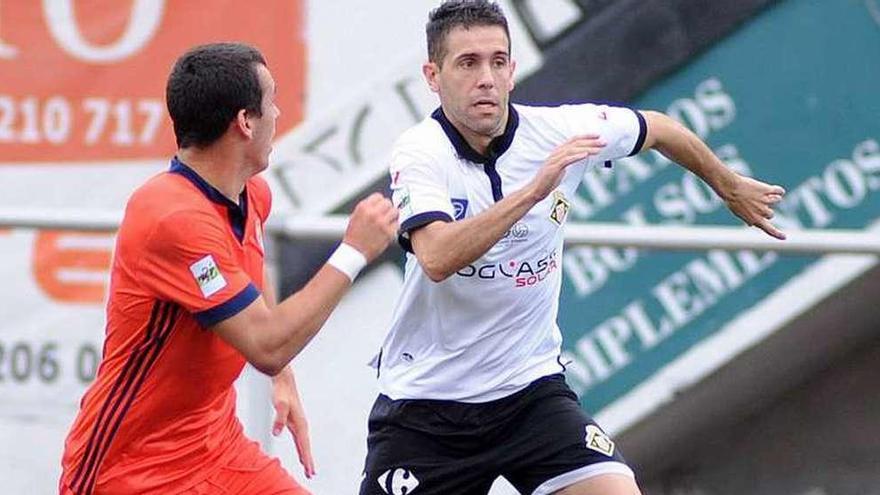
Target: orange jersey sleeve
[187,260]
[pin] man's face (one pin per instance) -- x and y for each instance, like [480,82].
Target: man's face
[474,79]
[264,125]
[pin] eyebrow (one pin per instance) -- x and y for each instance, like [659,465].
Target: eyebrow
[476,54]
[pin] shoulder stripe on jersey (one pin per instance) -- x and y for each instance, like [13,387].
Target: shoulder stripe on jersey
[162,321]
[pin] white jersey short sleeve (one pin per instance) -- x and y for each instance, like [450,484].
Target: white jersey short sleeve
[489,329]
[622,129]
[418,188]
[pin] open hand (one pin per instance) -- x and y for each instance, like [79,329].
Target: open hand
[289,413]
[752,201]
[572,151]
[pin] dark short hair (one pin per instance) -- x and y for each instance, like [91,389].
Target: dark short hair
[460,13]
[207,88]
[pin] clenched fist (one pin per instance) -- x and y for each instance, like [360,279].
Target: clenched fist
[372,226]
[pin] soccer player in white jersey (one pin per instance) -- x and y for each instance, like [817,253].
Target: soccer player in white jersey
[470,378]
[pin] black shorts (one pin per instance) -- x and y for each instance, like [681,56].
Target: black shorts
[536,438]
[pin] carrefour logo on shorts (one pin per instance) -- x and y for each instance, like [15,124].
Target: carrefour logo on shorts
[398,482]
[207,275]
[460,205]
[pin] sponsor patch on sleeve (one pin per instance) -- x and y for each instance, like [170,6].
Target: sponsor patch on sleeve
[402,201]
[208,276]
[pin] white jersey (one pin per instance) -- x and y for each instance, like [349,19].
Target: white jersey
[490,329]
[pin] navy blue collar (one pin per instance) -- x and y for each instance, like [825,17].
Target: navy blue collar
[237,212]
[497,146]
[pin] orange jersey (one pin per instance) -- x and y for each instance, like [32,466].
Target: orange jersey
[161,412]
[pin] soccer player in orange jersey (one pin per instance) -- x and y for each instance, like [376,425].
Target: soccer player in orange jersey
[189,303]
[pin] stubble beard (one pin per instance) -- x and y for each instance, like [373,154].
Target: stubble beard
[487,127]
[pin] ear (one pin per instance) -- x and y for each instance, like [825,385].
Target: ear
[242,124]
[430,70]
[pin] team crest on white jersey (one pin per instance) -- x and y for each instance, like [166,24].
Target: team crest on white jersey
[398,481]
[208,276]
[597,440]
[560,208]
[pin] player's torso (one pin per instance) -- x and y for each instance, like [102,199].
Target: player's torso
[522,269]
[164,386]
[493,319]
[528,252]
[199,363]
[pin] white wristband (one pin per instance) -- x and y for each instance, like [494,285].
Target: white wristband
[347,260]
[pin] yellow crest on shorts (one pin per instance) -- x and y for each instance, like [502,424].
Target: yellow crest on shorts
[597,440]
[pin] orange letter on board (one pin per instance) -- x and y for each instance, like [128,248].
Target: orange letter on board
[72,267]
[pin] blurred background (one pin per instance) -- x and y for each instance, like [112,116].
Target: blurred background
[720,372]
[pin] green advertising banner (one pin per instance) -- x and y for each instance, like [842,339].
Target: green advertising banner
[792,98]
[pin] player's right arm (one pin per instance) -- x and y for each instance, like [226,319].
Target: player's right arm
[433,238]
[749,199]
[187,261]
[269,338]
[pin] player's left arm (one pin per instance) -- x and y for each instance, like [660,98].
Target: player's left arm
[289,410]
[749,199]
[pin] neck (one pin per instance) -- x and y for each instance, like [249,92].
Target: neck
[478,141]
[218,166]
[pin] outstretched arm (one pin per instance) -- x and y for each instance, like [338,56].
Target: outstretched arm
[749,199]
[269,337]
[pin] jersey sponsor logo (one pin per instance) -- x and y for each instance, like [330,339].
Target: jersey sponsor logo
[515,235]
[460,206]
[519,231]
[560,208]
[398,481]
[208,276]
[523,273]
[597,440]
